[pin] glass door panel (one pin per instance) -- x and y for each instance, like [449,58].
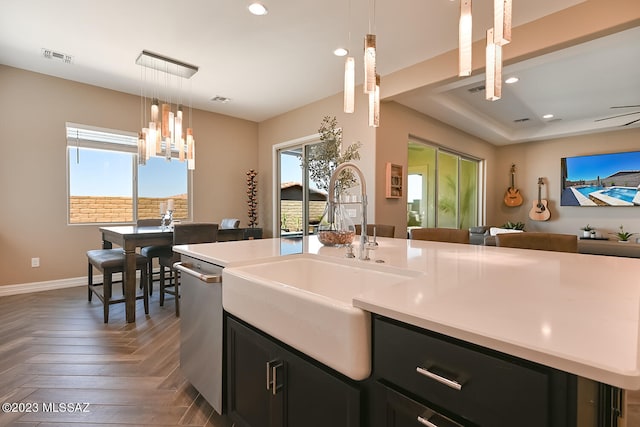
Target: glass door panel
[447,190]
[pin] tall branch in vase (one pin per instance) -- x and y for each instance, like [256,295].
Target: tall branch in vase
[252,201]
[325,157]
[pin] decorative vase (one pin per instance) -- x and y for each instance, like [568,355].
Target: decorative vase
[586,234]
[336,229]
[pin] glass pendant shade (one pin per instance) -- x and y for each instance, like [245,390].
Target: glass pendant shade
[155,107]
[501,22]
[465,39]
[191,150]
[369,63]
[374,104]
[166,108]
[493,84]
[177,134]
[142,149]
[349,84]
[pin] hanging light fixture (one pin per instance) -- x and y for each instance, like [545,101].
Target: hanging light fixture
[493,84]
[370,53]
[349,71]
[501,22]
[349,84]
[374,104]
[369,63]
[165,124]
[465,39]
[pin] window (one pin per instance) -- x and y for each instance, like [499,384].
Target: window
[106,184]
[443,188]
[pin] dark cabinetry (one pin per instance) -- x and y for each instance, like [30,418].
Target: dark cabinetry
[270,386]
[427,379]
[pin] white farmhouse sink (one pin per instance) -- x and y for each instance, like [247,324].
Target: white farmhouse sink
[306,301]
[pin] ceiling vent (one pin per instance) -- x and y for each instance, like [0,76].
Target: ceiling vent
[525,119]
[221,99]
[477,89]
[52,54]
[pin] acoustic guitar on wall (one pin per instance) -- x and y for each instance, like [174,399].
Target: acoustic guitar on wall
[540,210]
[512,197]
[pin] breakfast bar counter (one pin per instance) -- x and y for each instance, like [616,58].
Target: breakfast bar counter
[573,312]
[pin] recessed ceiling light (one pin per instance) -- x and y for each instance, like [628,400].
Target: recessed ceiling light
[511,80]
[340,51]
[548,116]
[258,9]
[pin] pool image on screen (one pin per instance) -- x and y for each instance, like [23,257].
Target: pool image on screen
[611,179]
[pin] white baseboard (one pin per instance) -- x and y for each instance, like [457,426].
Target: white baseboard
[25,288]
[50,285]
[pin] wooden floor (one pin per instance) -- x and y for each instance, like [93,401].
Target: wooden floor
[55,348]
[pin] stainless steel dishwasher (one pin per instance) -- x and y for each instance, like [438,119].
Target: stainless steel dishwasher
[201,327]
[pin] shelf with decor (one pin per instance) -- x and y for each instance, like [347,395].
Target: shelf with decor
[394,181]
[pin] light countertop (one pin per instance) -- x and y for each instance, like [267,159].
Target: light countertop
[574,312]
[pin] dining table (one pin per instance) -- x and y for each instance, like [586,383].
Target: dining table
[130,237]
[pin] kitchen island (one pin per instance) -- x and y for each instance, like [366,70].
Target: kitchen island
[574,313]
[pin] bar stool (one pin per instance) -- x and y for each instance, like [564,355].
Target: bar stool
[155,251]
[111,261]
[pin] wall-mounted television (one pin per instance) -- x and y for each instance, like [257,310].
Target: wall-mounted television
[611,179]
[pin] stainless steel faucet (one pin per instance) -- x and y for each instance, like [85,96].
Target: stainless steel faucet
[362,254]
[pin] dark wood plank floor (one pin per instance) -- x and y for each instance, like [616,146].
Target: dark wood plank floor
[55,348]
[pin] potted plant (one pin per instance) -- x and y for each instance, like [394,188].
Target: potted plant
[587,231]
[623,236]
[513,225]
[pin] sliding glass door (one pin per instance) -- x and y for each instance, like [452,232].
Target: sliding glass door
[443,188]
[300,202]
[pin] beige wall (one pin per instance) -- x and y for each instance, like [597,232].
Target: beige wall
[33,222]
[542,159]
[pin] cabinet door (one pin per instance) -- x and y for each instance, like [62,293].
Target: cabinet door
[317,398]
[250,362]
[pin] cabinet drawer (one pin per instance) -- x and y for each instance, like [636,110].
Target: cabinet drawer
[479,387]
[392,409]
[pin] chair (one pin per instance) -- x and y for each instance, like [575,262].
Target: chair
[155,251]
[382,230]
[111,261]
[183,234]
[227,223]
[540,241]
[451,235]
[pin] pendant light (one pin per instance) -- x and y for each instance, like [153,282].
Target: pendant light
[349,71]
[493,84]
[349,84]
[501,22]
[369,63]
[374,104]
[465,39]
[166,125]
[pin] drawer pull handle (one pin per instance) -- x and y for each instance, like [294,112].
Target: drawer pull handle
[425,422]
[442,380]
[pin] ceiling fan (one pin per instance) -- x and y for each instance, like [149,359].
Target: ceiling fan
[624,115]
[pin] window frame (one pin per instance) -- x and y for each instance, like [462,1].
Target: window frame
[89,137]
